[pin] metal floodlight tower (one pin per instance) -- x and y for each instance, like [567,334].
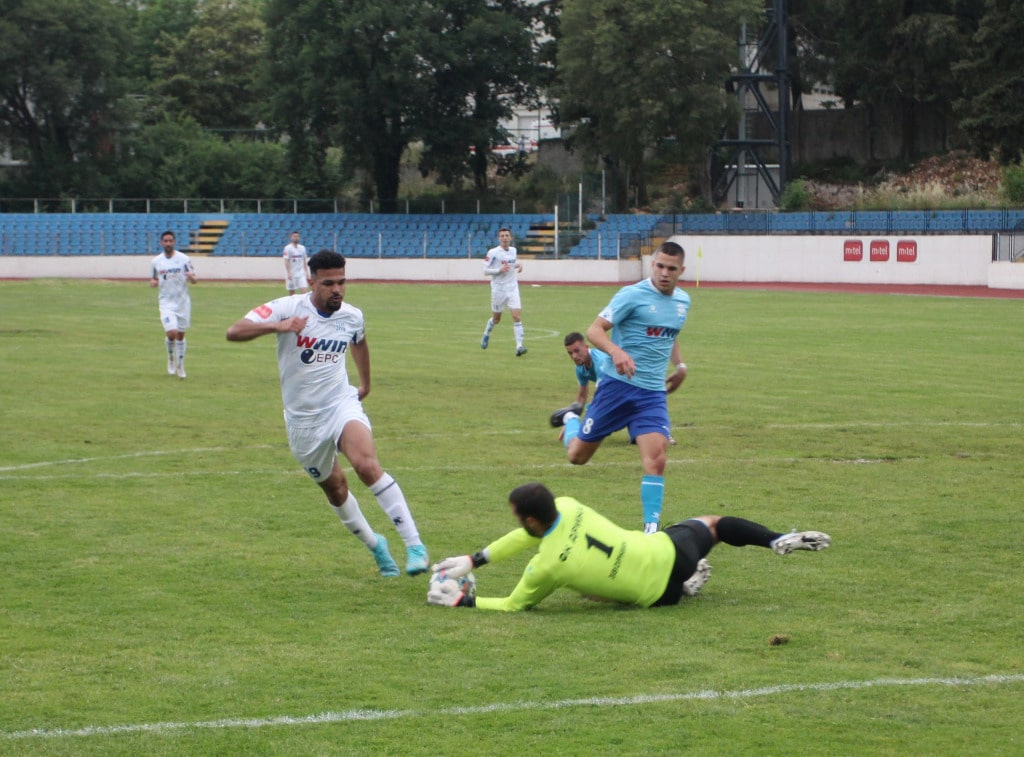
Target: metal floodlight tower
[731,156]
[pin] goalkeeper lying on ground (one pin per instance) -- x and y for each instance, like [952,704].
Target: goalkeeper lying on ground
[580,549]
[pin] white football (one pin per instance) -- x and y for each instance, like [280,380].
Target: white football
[466,584]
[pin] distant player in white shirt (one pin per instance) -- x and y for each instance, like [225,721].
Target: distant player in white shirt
[323,412]
[503,268]
[172,272]
[296,278]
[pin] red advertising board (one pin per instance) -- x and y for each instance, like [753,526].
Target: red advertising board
[853,250]
[906,251]
[879,252]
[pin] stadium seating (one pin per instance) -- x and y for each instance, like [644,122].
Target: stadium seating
[452,235]
[986,220]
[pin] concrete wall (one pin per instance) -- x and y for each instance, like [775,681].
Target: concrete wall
[271,268]
[914,260]
[942,260]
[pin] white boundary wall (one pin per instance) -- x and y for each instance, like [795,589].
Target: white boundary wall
[920,260]
[271,268]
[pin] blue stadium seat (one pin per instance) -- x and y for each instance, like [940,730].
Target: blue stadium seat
[985,220]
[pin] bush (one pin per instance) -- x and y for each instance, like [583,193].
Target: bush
[795,196]
[1013,183]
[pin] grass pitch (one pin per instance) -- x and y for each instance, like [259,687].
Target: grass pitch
[174,584]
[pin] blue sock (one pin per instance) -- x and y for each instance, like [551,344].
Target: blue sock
[652,494]
[572,430]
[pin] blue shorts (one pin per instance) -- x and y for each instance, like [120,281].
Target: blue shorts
[619,405]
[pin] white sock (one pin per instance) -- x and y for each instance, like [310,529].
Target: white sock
[355,522]
[172,351]
[392,502]
[180,349]
[517,329]
[490,326]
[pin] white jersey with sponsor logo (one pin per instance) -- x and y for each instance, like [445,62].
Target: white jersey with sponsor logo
[501,280]
[171,272]
[295,255]
[314,377]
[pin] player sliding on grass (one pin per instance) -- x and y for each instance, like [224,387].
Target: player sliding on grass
[323,412]
[582,550]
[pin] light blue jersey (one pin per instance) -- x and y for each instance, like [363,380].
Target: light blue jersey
[645,323]
[599,364]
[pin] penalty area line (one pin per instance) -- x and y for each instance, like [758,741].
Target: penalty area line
[347,716]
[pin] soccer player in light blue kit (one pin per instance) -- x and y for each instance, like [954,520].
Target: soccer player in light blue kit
[639,331]
[590,364]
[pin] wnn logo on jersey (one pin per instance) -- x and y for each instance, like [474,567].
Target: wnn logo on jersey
[661,332]
[320,350]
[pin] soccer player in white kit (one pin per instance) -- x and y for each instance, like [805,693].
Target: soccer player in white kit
[323,412]
[503,268]
[172,272]
[295,278]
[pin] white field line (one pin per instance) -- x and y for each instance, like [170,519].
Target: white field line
[128,456]
[290,472]
[505,432]
[347,716]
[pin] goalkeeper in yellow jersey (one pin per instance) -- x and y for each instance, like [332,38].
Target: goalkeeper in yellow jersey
[580,549]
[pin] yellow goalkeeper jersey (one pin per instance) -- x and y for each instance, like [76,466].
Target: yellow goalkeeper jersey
[585,552]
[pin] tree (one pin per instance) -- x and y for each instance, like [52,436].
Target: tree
[176,157]
[483,65]
[212,73]
[638,74]
[889,55]
[991,77]
[375,77]
[61,89]
[152,26]
[349,74]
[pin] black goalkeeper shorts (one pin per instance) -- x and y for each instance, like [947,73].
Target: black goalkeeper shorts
[693,541]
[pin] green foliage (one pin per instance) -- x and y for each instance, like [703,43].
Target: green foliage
[796,196]
[485,65]
[154,27]
[633,75]
[59,88]
[374,78]
[213,72]
[840,170]
[176,158]
[1013,183]
[889,56]
[172,576]
[991,109]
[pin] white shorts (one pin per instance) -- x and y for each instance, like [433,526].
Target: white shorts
[175,317]
[505,298]
[296,282]
[316,447]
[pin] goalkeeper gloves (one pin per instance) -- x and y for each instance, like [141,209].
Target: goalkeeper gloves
[449,593]
[455,567]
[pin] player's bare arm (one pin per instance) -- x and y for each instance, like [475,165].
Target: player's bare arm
[361,357]
[678,367]
[244,330]
[599,337]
